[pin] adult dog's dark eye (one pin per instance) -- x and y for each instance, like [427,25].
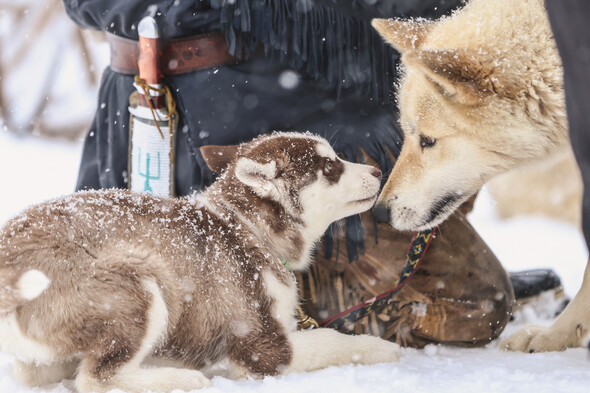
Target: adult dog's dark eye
[328,167]
[426,141]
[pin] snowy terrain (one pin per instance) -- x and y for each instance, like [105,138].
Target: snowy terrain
[34,170]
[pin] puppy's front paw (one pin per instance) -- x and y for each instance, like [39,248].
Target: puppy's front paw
[390,352]
[539,339]
[375,350]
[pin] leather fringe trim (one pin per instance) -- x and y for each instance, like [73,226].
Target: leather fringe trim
[313,38]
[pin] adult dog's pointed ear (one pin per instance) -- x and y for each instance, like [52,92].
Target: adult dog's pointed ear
[258,176]
[463,76]
[218,158]
[403,35]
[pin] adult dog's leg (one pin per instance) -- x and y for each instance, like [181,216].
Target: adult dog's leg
[570,329]
[320,348]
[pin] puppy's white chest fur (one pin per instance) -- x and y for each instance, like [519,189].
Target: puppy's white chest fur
[284,296]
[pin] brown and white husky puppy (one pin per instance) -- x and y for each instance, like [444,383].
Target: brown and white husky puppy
[95,283]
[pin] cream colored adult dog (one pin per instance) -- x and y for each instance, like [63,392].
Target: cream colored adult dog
[482,92]
[97,283]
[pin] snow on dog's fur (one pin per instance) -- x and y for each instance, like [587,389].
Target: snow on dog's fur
[98,283]
[482,92]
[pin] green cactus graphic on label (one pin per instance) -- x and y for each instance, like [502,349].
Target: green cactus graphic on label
[147,173]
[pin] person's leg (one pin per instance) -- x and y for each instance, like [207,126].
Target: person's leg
[104,157]
[569,21]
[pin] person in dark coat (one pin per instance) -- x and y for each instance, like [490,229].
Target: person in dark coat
[304,65]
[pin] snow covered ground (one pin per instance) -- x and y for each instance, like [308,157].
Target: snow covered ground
[33,170]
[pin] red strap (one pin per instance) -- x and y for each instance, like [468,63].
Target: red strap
[420,243]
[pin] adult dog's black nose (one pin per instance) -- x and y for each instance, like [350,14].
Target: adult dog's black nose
[381,212]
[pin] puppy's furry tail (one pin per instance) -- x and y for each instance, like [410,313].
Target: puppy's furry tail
[17,287]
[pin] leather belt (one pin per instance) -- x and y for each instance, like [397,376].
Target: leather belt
[180,55]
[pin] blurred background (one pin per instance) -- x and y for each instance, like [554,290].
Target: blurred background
[49,70]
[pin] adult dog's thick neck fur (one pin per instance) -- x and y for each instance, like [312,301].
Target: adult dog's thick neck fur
[482,92]
[99,282]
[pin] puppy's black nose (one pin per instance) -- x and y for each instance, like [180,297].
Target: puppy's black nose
[376,172]
[381,212]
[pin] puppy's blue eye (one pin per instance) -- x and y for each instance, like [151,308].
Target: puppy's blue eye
[426,141]
[328,167]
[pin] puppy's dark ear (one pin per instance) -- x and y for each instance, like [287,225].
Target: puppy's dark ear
[218,158]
